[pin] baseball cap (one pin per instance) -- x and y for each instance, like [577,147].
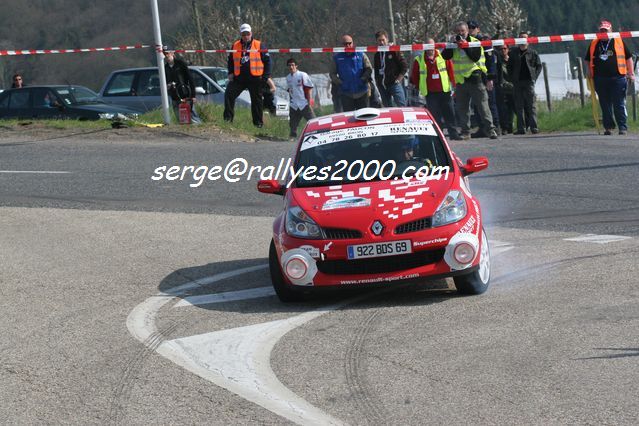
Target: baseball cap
[605,25]
[472,24]
[167,48]
[244,28]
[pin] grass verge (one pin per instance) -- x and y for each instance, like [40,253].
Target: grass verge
[567,116]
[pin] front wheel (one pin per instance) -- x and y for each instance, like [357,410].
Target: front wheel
[284,291]
[477,281]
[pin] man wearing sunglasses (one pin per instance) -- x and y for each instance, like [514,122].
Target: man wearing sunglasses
[351,71]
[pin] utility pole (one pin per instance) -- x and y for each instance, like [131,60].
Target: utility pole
[392,20]
[166,113]
[198,26]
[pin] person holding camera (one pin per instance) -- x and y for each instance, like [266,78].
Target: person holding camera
[248,68]
[469,66]
[179,83]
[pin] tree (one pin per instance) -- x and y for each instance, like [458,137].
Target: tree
[419,19]
[504,18]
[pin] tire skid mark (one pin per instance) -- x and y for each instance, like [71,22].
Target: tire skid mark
[369,406]
[124,385]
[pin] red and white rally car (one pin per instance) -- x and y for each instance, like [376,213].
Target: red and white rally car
[376,196]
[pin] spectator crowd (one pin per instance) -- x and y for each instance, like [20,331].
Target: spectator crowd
[489,88]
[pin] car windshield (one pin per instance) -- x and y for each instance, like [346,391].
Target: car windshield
[369,153]
[74,95]
[219,75]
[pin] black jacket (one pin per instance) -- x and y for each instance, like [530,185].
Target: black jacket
[395,66]
[532,61]
[179,80]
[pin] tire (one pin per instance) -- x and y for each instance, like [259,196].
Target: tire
[284,291]
[476,282]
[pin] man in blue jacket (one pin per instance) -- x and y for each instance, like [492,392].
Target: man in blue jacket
[351,71]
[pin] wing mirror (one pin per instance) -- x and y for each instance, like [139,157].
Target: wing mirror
[270,186]
[474,165]
[200,90]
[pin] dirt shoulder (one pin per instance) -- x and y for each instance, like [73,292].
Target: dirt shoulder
[35,132]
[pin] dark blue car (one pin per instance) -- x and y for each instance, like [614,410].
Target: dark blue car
[59,102]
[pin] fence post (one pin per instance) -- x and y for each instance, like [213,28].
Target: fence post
[548,102]
[580,74]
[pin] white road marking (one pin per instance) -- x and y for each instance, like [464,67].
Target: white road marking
[238,359]
[240,353]
[597,239]
[49,172]
[229,296]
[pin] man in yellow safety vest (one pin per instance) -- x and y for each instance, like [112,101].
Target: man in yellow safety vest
[434,78]
[469,64]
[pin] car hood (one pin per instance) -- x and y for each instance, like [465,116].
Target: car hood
[102,107]
[396,202]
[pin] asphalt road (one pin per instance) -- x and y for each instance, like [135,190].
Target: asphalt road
[131,301]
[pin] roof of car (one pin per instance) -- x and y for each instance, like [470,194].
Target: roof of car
[386,116]
[200,67]
[48,86]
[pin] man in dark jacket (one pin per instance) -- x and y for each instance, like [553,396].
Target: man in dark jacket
[389,68]
[180,84]
[504,91]
[524,66]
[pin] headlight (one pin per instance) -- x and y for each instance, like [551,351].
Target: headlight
[107,115]
[451,210]
[299,224]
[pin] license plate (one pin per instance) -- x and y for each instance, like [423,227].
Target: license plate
[389,248]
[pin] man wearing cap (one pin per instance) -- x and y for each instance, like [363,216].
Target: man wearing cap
[473,29]
[469,64]
[179,82]
[609,62]
[247,69]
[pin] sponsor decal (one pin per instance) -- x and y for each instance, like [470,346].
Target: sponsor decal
[469,226]
[346,202]
[429,242]
[314,252]
[380,279]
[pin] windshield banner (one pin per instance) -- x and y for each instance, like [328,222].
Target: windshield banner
[324,138]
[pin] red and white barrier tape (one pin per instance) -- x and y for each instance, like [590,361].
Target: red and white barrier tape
[414,47]
[52,51]
[393,48]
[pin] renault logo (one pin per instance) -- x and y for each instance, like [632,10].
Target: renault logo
[377,227]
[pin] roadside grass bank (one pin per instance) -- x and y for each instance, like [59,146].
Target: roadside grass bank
[567,116]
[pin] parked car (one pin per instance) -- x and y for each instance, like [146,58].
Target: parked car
[56,102]
[366,206]
[139,88]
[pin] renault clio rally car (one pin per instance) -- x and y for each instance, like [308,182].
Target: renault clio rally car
[376,196]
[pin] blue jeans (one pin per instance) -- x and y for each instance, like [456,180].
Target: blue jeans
[396,92]
[612,98]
